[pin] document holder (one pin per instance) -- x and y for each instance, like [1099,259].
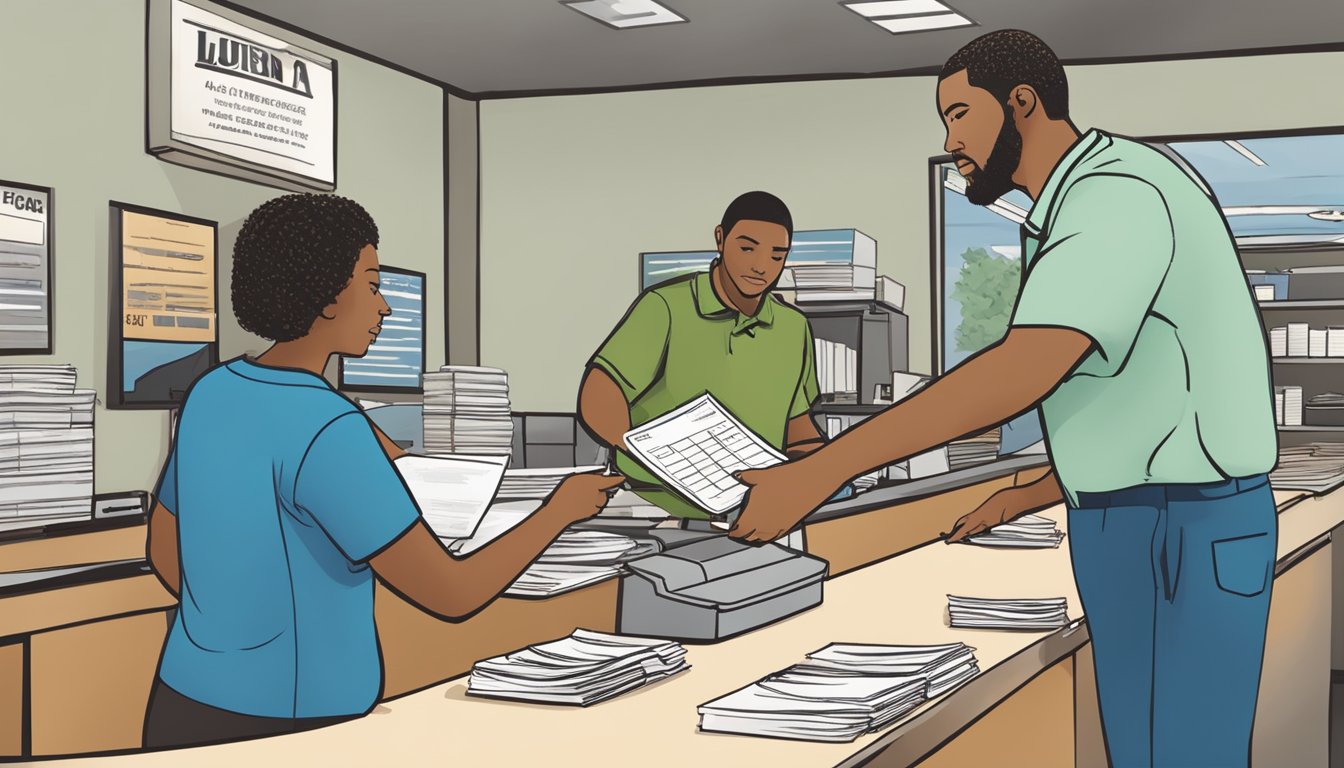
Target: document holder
[717,588]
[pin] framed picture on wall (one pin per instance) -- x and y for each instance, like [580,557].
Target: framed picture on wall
[163,331]
[26,292]
[232,95]
[396,359]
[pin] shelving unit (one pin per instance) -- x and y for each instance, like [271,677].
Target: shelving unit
[1316,375]
[880,333]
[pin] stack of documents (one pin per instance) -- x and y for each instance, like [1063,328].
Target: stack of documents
[989,613]
[837,370]
[536,483]
[834,265]
[1314,467]
[467,411]
[1316,342]
[1299,337]
[546,579]
[980,449]
[811,704]
[453,492]
[943,667]
[588,547]
[1334,341]
[1026,532]
[46,447]
[1278,341]
[582,669]
[1292,406]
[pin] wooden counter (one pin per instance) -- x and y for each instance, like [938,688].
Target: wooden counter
[1029,706]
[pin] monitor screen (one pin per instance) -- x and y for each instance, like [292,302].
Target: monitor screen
[395,362]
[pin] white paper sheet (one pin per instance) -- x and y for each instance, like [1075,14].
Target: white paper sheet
[696,449]
[453,492]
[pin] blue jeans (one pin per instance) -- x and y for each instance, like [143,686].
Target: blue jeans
[1175,582]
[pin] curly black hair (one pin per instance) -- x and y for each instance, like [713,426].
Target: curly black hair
[1000,61]
[293,255]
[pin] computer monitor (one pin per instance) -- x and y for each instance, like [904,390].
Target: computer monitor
[396,360]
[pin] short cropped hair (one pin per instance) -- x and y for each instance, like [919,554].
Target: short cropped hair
[757,206]
[1003,60]
[293,255]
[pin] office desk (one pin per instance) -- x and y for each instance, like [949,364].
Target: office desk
[1032,705]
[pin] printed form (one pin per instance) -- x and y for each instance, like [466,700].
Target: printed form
[696,449]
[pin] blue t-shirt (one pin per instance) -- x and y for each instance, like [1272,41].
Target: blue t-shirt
[282,492]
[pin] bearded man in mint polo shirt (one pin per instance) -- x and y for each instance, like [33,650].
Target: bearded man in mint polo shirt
[720,332]
[1136,333]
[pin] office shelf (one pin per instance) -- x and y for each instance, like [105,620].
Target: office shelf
[1305,304]
[1307,360]
[1309,428]
[849,409]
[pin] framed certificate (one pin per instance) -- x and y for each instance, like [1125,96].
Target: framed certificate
[164,328]
[26,292]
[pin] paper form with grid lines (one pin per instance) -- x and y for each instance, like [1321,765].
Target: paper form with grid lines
[696,449]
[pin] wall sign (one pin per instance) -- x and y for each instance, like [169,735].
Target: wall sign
[226,97]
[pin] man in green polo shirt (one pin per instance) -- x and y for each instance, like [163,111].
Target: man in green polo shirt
[720,332]
[1136,332]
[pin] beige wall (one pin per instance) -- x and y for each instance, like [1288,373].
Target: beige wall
[72,79]
[573,188]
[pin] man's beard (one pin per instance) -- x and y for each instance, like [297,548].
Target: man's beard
[995,179]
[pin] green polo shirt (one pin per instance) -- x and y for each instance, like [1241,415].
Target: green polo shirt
[1126,248]
[679,341]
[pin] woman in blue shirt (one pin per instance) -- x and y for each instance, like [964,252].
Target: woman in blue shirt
[279,503]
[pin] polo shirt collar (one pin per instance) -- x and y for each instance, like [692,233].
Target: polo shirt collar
[707,304]
[271,374]
[1040,210]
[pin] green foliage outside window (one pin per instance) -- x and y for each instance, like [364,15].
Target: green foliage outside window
[987,290]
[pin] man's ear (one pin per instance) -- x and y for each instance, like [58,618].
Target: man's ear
[1023,101]
[718,239]
[328,312]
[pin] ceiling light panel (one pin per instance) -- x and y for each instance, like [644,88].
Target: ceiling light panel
[889,8]
[923,23]
[625,14]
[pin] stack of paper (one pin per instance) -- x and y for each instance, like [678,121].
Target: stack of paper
[1026,532]
[546,579]
[587,547]
[466,411]
[536,483]
[833,265]
[989,613]
[808,704]
[453,492]
[980,449]
[582,669]
[943,667]
[1334,341]
[1316,342]
[46,447]
[837,370]
[1278,341]
[1292,406]
[1299,336]
[1314,467]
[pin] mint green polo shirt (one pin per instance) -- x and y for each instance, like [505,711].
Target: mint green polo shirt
[1125,247]
[679,341]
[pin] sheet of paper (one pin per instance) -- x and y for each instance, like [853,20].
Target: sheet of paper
[498,520]
[453,492]
[696,449]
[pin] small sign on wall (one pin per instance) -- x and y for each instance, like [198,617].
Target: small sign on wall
[226,97]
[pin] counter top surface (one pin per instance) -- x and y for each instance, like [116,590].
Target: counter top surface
[900,600]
